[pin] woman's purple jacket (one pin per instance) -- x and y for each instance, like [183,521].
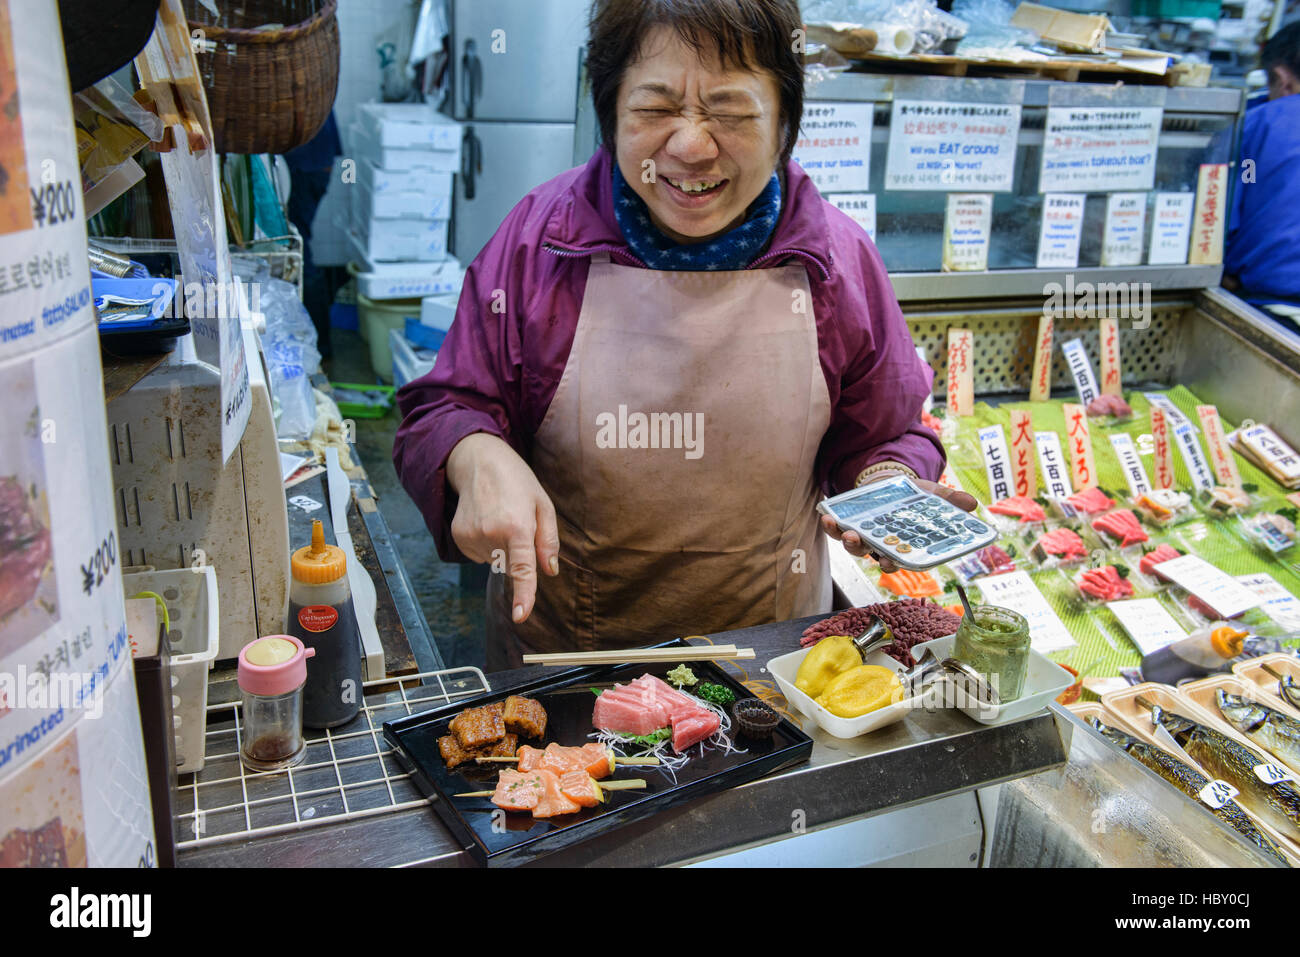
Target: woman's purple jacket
[501,362]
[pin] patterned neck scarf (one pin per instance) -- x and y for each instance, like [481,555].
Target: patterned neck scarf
[734,249]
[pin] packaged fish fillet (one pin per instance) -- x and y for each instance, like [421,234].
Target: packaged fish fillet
[1163,507]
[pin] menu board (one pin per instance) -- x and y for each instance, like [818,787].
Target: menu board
[966,229]
[1121,243]
[1171,227]
[834,145]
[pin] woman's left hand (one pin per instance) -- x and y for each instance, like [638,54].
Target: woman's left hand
[853,543]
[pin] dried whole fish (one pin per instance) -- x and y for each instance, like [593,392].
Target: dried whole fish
[1275,732]
[1287,689]
[1275,804]
[1190,782]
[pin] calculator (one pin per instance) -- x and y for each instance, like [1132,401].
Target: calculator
[912,528]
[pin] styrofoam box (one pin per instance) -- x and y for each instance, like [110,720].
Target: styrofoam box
[428,183]
[437,312]
[395,204]
[409,363]
[398,161]
[409,280]
[409,126]
[402,240]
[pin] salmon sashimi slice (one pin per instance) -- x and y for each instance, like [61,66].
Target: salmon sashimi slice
[518,790]
[530,758]
[911,584]
[1123,525]
[581,788]
[1161,553]
[1090,500]
[1019,506]
[599,760]
[553,801]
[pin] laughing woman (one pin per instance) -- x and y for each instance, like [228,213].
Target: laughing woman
[664,358]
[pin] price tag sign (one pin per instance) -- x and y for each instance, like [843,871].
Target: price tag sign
[1225,466]
[1273,774]
[1207,227]
[1147,622]
[1083,469]
[1276,602]
[1022,453]
[1190,450]
[1056,477]
[1223,593]
[1134,474]
[1017,591]
[961,372]
[997,464]
[1076,357]
[1217,794]
[1042,385]
[1162,454]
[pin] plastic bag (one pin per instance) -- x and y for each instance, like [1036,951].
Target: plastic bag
[292,358]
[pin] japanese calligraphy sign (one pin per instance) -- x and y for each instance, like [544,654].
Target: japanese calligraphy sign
[997,463]
[1190,450]
[1164,456]
[1111,380]
[1172,412]
[1207,225]
[1099,149]
[861,207]
[1056,477]
[1134,474]
[1171,226]
[1041,386]
[1076,357]
[961,372]
[1225,466]
[1126,216]
[1022,453]
[966,228]
[936,145]
[1060,231]
[1083,469]
[1279,458]
[834,145]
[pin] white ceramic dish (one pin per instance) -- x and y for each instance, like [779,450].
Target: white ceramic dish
[1044,680]
[786,667]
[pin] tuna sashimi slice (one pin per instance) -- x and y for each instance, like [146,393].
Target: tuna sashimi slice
[1063,543]
[1161,553]
[1090,500]
[694,728]
[1019,506]
[626,716]
[1105,583]
[1123,525]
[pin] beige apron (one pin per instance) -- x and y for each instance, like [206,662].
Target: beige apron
[678,452]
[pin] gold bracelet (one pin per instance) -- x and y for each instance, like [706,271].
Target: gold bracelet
[883,467]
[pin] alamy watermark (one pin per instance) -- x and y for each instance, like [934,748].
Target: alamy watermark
[1102,300]
[651,430]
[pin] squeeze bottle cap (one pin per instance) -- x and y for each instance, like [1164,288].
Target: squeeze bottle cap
[318,563]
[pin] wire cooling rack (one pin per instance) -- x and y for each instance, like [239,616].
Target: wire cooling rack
[348,773]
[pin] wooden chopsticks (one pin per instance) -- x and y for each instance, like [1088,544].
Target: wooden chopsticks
[641,655]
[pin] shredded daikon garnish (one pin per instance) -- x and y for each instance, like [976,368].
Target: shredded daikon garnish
[670,762]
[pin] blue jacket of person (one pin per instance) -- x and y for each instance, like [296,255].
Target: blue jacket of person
[1263,240]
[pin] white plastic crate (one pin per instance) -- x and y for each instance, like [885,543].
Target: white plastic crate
[379,281]
[367,147]
[398,204]
[401,240]
[437,312]
[409,126]
[193,637]
[423,182]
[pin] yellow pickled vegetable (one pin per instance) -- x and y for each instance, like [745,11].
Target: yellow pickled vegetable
[830,657]
[860,691]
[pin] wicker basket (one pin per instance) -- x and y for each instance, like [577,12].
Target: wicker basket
[268,90]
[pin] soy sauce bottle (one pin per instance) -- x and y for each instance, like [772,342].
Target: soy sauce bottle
[321,617]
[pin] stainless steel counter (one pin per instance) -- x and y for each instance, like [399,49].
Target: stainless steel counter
[926,756]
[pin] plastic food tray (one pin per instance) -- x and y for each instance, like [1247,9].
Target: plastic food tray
[784,670]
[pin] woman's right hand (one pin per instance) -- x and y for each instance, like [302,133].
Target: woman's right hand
[503,512]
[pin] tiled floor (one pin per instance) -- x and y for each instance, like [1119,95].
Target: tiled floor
[453,609]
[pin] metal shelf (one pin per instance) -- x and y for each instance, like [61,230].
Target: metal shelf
[349,772]
[1009,283]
